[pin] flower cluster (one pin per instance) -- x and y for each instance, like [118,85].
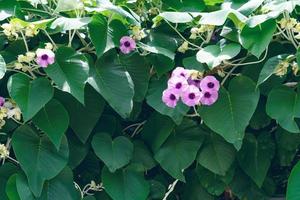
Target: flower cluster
[43,57]
[291,24]
[191,88]
[197,31]
[282,68]
[138,33]
[16,27]
[9,110]
[4,153]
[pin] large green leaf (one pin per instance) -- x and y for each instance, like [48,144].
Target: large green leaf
[67,24]
[257,39]
[231,114]
[125,185]
[216,155]
[11,188]
[92,110]
[111,79]
[139,71]
[156,130]
[98,28]
[154,95]
[23,189]
[69,72]
[8,8]
[2,67]
[53,119]
[30,95]
[269,67]
[67,5]
[41,161]
[114,153]
[180,150]
[60,187]
[293,189]
[256,155]
[284,105]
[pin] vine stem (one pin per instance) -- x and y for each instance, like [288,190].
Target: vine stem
[50,38]
[24,40]
[170,189]
[180,35]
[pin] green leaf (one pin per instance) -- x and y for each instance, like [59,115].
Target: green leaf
[2,67]
[8,8]
[298,56]
[179,17]
[114,153]
[269,68]
[68,5]
[125,185]
[256,155]
[287,145]
[67,24]
[111,79]
[98,30]
[6,171]
[214,55]
[92,110]
[142,157]
[69,72]
[193,63]
[30,95]
[41,161]
[180,150]
[216,155]
[53,119]
[257,39]
[283,104]
[139,71]
[154,95]
[23,189]
[232,112]
[60,187]
[293,189]
[156,130]
[11,189]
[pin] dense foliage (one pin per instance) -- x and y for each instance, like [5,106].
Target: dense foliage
[89,106]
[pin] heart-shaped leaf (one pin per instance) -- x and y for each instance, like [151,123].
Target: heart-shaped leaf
[216,155]
[180,150]
[114,153]
[293,191]
[232,112]
[30,95]
[41,161]
[256,155]
[69,72]
[53,119]
[257,39]
[125,185]
[213,55]
[111,79]
[284,105]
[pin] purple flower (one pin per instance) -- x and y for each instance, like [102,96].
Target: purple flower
[210,83]
[178,84]
[127,44]
[170,98]
[180,71]
[2,101]
[191,96]
[209,97]
[45,57]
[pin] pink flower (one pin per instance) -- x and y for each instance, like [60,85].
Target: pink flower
[191,96]
[178,83]
[210,83]
[127,44]
[209,97]
[45,57]
[170,98]
[180,71]
[2,101]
